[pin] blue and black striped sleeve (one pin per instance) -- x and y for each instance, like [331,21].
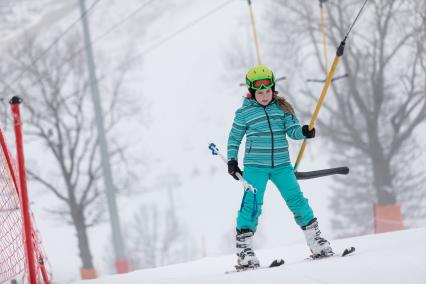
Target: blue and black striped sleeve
[293,127]
[236,135]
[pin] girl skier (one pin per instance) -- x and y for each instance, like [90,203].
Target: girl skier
[266,119]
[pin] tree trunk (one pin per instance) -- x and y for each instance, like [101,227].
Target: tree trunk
[383,183]
[381,171]
[83,240]
[381,166]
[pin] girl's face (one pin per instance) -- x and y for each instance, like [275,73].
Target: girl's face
[263,96]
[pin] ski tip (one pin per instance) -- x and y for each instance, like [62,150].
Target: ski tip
[277,262]
[348,250]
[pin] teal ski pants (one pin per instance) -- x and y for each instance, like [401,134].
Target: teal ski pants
[285,180]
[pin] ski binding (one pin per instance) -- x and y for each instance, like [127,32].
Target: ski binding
[241,268]
[345,252]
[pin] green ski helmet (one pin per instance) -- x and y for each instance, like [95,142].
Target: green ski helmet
[260,77]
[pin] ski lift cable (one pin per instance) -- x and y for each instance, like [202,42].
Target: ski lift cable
[52,44]
[112,28]
[158,43]
[103,35]
[339,54]
[186,27]
[123,20]
[356,19]
[161,41]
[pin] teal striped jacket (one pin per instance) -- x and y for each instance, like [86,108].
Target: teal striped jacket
[265,129]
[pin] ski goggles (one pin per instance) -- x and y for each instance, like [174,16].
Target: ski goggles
[260,84]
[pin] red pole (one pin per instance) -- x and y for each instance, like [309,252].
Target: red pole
[43,270]
[39,255]
[14,102]
[13,175]
[9,162]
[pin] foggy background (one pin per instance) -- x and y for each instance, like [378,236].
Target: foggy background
[169,75]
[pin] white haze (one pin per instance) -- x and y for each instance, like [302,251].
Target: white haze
[186,104]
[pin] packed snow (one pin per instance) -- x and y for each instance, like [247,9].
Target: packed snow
[396,257]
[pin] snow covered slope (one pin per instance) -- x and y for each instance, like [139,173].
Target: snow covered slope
[397,257]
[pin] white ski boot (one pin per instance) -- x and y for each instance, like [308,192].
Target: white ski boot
[246,256]
[319,246]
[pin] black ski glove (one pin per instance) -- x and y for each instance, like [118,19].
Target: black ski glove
[233,169]
[308,133]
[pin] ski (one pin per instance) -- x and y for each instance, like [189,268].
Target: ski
[238,268]
[279,262]
[345,252]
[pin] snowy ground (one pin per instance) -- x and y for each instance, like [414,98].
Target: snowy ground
[396,257]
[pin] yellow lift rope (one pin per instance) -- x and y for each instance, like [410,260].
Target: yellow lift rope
[322,97]
[253,25]
[324,39]
[324,46]
[330,74]
[329,79]
[256,41]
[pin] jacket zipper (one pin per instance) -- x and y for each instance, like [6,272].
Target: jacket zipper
[272,136]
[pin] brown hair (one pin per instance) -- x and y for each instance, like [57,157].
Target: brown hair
[283,103]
